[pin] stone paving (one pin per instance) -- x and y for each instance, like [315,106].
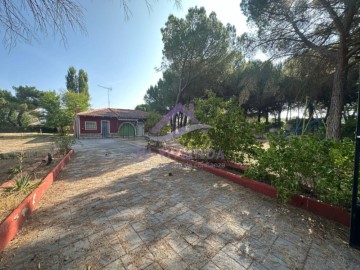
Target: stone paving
[116,208]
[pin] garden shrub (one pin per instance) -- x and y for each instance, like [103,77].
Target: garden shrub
[348,128]
[309,165]
[22,184]
[231,133]
[152,120]
[64,142]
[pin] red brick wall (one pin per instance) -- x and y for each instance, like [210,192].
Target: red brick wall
[114,124]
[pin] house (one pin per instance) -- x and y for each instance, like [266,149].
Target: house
[109,122]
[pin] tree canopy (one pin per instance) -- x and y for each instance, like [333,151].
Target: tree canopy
[77,83]
[325,27]
[16,109]
[197,51]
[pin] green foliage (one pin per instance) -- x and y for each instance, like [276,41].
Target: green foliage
[83,86]
[231,133]
[323,28]
[143,107]
[308,165]
[22,183]
[14,170]
[77,83]
[260,88]
[18,110]
[73,101]
[60,109]
[153,119]
[56,116]
[162,96]
[348,129]
[198,53]
[71,80]
[64,142]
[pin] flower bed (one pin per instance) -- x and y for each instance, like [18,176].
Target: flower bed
[12,224]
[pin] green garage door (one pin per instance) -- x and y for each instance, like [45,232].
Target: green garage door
[127,130]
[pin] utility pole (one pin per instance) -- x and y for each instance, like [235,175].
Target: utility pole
[109,89]
[355,207]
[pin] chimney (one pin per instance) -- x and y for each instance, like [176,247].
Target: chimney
[77,110]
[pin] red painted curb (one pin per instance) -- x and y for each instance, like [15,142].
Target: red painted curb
[249,183]
[312,205]
[322,209]
[13,223]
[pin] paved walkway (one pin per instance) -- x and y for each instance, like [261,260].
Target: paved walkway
[115,208]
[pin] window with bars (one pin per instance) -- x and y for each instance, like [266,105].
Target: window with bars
[90,125]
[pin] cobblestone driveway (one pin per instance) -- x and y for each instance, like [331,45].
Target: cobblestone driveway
[112,208]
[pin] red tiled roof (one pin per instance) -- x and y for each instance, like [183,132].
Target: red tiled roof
[118,113]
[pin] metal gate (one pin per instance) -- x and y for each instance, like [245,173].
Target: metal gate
[105,129]
[127,130]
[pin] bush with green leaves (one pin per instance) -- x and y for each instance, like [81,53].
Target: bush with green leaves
[64,142]
[152,120]
[307,164]
[231,132]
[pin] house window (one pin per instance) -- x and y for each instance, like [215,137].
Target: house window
[90,125]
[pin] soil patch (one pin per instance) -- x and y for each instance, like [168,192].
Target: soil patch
[9,200]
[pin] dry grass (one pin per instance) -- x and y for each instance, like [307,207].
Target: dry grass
[9,201]
[34,148]
[33,143]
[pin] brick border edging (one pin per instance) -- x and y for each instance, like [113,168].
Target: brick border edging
[312,205]
[13,223]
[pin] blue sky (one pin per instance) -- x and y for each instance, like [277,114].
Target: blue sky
[115,52]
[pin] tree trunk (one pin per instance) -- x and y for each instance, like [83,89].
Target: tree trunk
[287,113]
[9,118]
[267,117]
[279,116]
[259,116]
[173,127]
[337,95]
[19,118]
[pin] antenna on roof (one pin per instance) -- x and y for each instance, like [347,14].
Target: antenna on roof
[109,89]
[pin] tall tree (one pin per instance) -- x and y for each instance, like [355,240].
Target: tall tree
[73,101]
[312,77]
[160,98]
[77,82]
[195,46]
[25,101]
[61,108]
[56,116]
[260,88]
[83,86]
[143,107]
[71,80]
[329,27]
